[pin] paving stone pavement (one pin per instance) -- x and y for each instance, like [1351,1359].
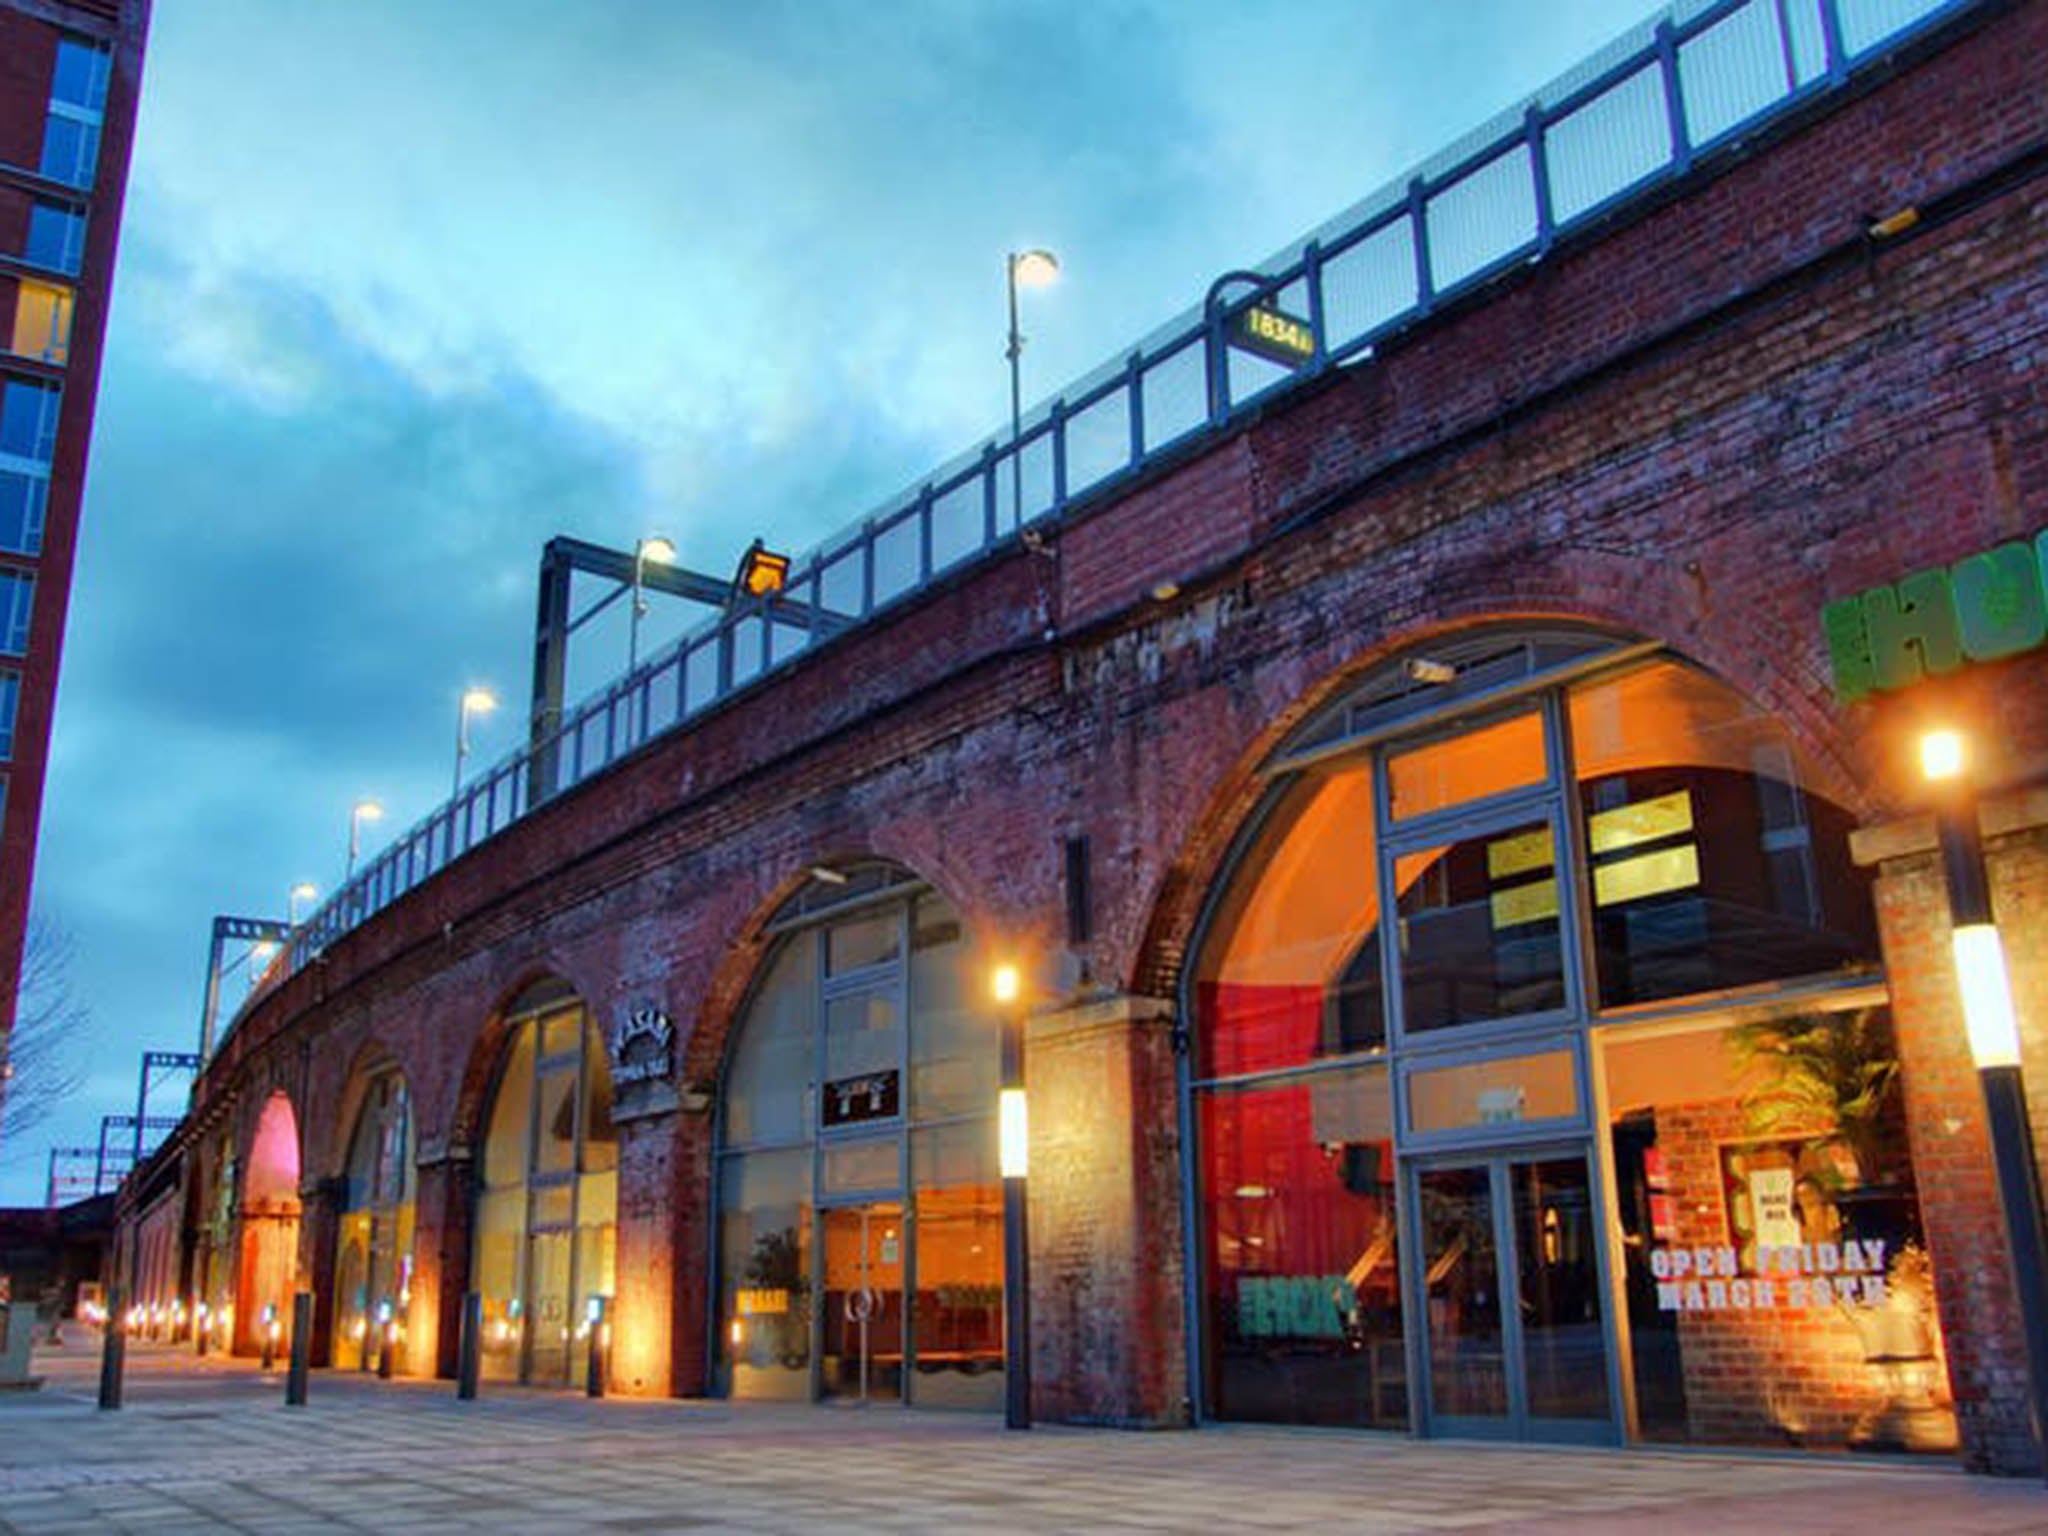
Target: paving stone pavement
[209,1446]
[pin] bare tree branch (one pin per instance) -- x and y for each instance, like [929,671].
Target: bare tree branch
[40,1071]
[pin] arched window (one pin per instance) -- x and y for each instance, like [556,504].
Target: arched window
[547,1191]
[1493,893]
[373,1261]
[860,1229]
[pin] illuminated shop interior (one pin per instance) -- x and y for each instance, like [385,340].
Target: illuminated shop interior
[1603,1136]
[860,1235]
[546,1222]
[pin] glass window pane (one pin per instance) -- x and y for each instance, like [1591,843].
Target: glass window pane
[1778,1283]
[1564,1348]
[42,321]
[1461,1272]
[1486,760]
[553,1206]
[1662,752]
[555,1143]
[506,1146]
[768,1079]
[56,237]
[1499,1092]
[863,1034]
[22,501]
[28,420]
[955,1045]
[69,149]
[1302,1305]
[10,699]
[600,1136]
[863,941]
[1290,970]
[1480,933]
[80,76]
[765,1274]
[561,1032]
[958,1317]
[500,1234]
[848,1168]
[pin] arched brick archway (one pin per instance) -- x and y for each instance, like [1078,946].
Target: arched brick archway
[267,1270]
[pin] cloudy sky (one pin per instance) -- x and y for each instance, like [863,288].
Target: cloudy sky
[408,287]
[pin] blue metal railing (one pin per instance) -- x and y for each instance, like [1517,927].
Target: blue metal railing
[1636,115]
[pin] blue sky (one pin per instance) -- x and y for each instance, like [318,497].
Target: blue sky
[408,287]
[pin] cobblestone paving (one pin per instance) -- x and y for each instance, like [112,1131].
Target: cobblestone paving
[208,1446]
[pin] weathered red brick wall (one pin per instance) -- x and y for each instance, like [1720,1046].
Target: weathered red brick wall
[1699,427]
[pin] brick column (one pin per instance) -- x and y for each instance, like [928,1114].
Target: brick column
[644,1319]
[319,1217]
[1959,1199]
[1108,1341]
[440,1257]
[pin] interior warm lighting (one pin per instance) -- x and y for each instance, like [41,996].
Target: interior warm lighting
[825,874]
[1015,1125]
[1005,983]
[1425,670]
[1034,269]
[1942,755]
[1987,996]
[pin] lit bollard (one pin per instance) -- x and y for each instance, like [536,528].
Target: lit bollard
[270,1326]
[200,1323]
[113,1348]
[302,1350]
[387,1338]
[470,1349]
[594,1357]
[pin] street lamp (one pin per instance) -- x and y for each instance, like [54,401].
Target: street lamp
[305,890]
[656,548]
[1006,986]
[475,701]
[1994,1036]
[1031,269]
[364,810]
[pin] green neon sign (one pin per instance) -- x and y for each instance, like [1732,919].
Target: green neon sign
[1983,608]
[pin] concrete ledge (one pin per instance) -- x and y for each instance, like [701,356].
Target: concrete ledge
[1998,815]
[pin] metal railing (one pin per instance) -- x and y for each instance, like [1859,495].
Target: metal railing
[1641,112]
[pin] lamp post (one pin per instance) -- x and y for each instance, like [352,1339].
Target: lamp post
[364,810]
[305,890]
[656,548]
[475,701]
[1006,985]
[1031,269]
[1995,1047]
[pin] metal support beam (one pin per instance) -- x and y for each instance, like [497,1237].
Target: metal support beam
[252,930]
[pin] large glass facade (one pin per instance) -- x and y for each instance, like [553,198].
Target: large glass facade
[544,1238]
[1458,1168]
[373,1258]
[860,1233]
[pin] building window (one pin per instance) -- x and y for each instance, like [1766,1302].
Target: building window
[860,1230]
[545,1236]
[78,98]
[373,1263]
[17,601]
[28,421]
[42,322]
[56,237]
[28,440]
[10,701]
[1401,993]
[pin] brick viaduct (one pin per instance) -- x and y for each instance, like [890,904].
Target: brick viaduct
[1698,423]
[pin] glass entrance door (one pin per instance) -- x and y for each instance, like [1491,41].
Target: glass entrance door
[1515,1341]
[862,1355]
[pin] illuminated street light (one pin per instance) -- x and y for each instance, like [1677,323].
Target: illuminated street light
[305,890]
[658,549]
[1993,1030]
[475,701]
[1006,987]
[364,810]
[1029,269]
